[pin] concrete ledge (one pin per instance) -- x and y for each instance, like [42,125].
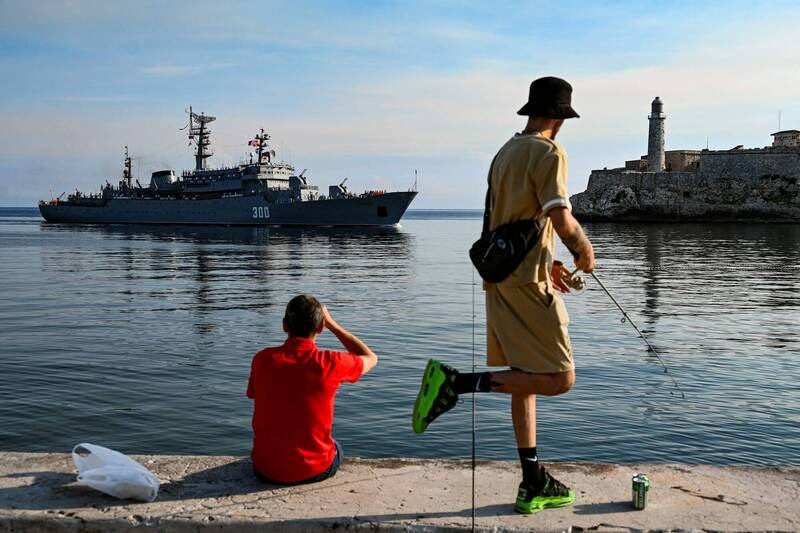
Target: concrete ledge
[219,493]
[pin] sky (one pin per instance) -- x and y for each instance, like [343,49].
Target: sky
[373,91]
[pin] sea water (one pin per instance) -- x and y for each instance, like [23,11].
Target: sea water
[140,338]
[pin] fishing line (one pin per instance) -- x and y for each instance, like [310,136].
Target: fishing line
[473,401]
[627,318]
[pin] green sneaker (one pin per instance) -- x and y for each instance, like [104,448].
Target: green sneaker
[552,493]
[436,395]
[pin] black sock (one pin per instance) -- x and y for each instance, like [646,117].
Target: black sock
[530,466]
[466,383]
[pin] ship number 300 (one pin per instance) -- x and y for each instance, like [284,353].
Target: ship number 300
[261,212]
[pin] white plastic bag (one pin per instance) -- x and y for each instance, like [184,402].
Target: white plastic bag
[114,473]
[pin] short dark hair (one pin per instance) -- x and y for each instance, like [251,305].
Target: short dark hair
[303,316]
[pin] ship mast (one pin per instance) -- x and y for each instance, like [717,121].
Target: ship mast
[262,148]
[198,129]
[127,175]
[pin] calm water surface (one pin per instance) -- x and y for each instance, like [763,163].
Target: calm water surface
[140,338]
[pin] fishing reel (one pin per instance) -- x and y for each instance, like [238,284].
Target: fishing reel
[573,280]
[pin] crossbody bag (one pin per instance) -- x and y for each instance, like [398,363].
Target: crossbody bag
[499,252]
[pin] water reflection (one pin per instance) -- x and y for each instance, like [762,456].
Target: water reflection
[253,235]
[208,270]
[140,338]
[750,262]
[653,245]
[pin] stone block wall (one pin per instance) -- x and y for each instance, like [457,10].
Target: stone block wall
[750,164]
[679,160]
[636,164]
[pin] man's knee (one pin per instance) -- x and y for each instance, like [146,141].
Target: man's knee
[562,382]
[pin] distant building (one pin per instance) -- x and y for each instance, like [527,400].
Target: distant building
[659,160]
[786,138]
[674,160]
[735,184]
[655,138]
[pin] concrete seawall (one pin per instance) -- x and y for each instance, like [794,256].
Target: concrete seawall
[37,493]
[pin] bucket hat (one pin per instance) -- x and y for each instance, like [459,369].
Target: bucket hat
[549,97]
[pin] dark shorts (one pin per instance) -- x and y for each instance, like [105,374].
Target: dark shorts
[330,472]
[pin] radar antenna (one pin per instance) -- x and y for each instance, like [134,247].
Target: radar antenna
[127,174]
[200,134]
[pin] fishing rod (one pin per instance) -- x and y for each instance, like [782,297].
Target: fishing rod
[474,417]
[578,283]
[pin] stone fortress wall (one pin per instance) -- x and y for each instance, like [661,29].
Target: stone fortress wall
[676,160]
[746,164]
[741,184]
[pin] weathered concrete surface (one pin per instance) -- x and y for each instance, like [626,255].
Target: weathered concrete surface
[37,493]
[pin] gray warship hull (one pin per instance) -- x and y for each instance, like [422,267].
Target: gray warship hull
[374,210]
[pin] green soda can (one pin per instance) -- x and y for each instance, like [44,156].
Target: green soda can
[640,486]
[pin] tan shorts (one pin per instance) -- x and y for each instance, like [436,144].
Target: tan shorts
[527,329]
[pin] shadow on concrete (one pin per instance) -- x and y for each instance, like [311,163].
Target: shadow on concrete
[48,490]
[237,478]
[230,479]
[402,519]
[44,477]
[604,508]
[57,490]
[498,509]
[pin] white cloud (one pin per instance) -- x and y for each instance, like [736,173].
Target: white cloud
[182,70]
[98,99]
[171,70]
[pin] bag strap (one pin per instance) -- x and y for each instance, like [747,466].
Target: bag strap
[487,210]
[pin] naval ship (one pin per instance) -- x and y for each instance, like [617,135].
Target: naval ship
[261,191]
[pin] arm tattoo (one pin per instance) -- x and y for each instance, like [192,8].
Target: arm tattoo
[576,240]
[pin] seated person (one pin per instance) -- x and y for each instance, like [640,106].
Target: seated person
[293,387]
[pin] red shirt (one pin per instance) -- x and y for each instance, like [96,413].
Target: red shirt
[294,386]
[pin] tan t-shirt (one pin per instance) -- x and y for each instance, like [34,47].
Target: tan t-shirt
[529,177]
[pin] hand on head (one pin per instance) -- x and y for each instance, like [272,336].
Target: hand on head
[327,319]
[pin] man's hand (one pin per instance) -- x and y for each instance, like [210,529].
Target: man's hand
[351,343]
[585,259]
[557,276]
[573,238]
[327,319]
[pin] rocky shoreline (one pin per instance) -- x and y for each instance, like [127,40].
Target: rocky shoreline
[729,196]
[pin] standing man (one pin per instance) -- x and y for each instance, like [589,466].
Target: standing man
[526,320]
[293,387]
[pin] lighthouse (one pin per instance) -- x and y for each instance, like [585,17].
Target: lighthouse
[655,140]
